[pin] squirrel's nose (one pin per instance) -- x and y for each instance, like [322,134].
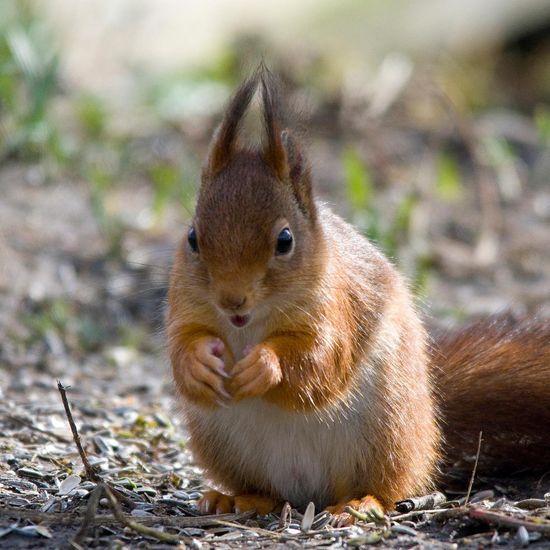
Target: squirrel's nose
[232,301]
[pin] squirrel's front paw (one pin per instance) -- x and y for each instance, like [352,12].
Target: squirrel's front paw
[200,373]
[256,373]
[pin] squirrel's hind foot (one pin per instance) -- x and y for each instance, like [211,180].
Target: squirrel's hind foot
[369,506]
[214,502]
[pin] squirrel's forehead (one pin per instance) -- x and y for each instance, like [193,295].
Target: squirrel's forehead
[227,252]
[236,228]
[247,192]
[239,209]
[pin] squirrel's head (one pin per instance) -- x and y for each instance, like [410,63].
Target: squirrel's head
[254,230]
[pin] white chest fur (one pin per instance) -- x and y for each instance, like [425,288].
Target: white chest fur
[299,457]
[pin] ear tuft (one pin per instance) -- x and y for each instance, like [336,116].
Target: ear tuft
[296,163]
[299,173]
[274,152]
[224,141]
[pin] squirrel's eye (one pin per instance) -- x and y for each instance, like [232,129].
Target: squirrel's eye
[192,240]
[284,242]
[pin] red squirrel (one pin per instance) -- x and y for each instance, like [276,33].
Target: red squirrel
[305,371]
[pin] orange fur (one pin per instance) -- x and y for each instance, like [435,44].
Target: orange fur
[494,376]
[330,388]
[214,502]
[255,374]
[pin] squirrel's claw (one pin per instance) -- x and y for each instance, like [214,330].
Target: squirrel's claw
[200,374]
[367,506]
[214,502]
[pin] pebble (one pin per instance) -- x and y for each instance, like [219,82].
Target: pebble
[146,490]
[69,484]
[531,503]
[403,530]
[19,485]
[48,505]
[105,445]
[522,537]
[33,531]
[192,532]
[307,520]
[18,501]
[482,495]
[136,512]
[31,472]
[144,506]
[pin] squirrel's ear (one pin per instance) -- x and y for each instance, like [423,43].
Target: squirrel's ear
[296,162]
[274,153]
[223,143]
[281,151]
[299,173]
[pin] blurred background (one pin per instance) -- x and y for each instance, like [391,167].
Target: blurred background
[427,123]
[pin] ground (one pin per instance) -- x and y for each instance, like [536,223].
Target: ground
[72,313]
[460,201]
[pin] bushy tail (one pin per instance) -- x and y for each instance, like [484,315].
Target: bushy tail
[494,376]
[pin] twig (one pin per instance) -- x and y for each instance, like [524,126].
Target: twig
[259,530]
[69,518]
[89,516]
[424,502]
[474,470]
[277,535]
[112,494]
[453,512]
[103,487]
[90,472]
[488,516]
[138,527]
[88,468]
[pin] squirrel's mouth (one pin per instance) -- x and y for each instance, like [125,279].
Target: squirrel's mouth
[239,321]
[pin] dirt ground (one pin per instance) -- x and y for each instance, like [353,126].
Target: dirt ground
[70,313]
[73,311]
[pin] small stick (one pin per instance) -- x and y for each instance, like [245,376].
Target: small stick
[488,516]
[426,502]
[259,530]
[88,468]
[474,470]
[138,527]
[89,516]
[103,487]
[90,472]
[69,518]
[443,511]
